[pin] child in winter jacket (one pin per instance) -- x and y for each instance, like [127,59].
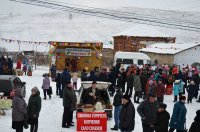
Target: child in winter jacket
[160,91]
[176,89]
[75,80]
[191,91]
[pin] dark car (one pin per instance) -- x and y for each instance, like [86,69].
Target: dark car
[8,83]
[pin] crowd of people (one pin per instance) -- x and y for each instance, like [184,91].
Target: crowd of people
[6,66]
[148,84]
[22,67]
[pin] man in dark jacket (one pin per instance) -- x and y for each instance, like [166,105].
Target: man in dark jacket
[67,104]
[58,84]
[118,105]
[127,115]
[123,74]
[195,127]
[143,80]
[162,121]
[33,109]
[65,77]
[137,88]
[130,79]
[112,79]
[92,94]
[148,113]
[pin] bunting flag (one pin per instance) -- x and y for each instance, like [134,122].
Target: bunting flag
[21,41]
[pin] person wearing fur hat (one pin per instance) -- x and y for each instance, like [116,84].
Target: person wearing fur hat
[117,103]
[195,127]
[162,121]
[33,109]
[191,91]
[127,115]
[178,118]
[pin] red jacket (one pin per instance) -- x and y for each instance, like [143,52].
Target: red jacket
[175,70]
[160,90]
[19,65]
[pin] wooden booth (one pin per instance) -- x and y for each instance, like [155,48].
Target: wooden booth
[76,56]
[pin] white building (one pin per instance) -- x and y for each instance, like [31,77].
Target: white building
[179,54]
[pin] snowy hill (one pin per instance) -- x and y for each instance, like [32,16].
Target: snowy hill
[57,26]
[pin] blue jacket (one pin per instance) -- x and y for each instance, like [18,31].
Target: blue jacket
[177,88]
[178,116]
[65,77]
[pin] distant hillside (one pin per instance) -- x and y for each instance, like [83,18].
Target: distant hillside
[57,26]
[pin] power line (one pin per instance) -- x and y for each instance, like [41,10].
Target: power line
[108,15]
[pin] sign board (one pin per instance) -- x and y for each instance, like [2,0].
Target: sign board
[78,52]
[91,121]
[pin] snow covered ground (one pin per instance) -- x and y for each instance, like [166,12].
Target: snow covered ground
[51,113]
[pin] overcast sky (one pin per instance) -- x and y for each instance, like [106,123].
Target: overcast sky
[185,5]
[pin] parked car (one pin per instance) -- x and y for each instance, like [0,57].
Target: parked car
[104,98]
[8,83]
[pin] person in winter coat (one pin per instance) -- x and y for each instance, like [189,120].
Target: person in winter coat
[68,104]
[75,80]
[33,109]
[143,80]
[148,113]
[162,121]
[25,69]
[73,103]
[151,87]
[176,89]
[92,76]
[195,77]
[127,115]
[123,74]
[10,65]
[129,80]
[169,87]
[195,127]
[45,86]
[84,75]
[175,72]
[19,111]
[58,84]
[137,88]
[120,79]
[191,91]
[92,94]
[53,72]
[160,91]
[178,118]
[112,78]
[117,103]
[103,75]
[65,77]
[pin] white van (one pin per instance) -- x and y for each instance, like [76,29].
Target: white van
[128,58]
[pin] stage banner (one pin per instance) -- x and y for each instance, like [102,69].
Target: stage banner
[78,52]
[91,121]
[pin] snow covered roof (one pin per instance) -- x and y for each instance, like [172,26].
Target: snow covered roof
[173,48]
[143,31]
[131,55]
